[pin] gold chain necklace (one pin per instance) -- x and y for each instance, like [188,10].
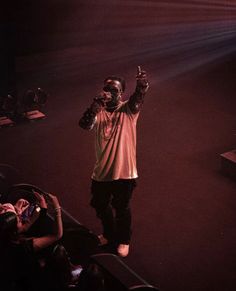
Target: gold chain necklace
[110,124]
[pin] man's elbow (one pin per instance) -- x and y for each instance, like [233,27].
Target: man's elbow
[85,125]
[82,124]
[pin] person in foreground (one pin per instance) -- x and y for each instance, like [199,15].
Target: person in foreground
[115,172]
[20,264]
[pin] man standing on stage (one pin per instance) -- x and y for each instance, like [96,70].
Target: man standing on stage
[115,172]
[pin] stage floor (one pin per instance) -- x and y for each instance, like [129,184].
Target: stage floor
[184,210]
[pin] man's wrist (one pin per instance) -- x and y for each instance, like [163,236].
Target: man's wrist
[96,106]
[142,88]
[43,211]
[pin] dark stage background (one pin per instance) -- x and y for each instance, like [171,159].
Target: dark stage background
[184,210]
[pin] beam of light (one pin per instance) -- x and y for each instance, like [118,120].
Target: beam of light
[173,4]
[169,37]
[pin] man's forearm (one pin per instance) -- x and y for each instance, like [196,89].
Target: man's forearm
[137,99]
[88,119]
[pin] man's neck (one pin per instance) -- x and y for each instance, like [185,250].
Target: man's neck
[112,106]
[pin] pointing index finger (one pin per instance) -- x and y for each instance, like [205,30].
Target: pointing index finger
[139,70]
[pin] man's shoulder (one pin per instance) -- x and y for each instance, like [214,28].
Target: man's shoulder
[124,105]
[127,110]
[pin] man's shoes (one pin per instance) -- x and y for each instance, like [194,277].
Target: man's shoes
[103,241]
[123,250]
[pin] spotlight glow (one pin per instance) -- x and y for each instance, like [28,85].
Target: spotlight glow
[167,37]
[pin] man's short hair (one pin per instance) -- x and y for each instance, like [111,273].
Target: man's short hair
[115,78]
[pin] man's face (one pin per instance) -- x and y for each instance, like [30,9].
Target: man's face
[115,88]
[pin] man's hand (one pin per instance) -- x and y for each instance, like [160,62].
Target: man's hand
[142,82]
[53,200]
[105,96]
[40,199]
[21,205]
[100,101]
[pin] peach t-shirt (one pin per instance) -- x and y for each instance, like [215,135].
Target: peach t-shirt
[115,144]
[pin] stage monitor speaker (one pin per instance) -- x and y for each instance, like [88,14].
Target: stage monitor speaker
[118,276]
[228,164]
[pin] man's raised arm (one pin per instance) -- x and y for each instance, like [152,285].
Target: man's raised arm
[137,98]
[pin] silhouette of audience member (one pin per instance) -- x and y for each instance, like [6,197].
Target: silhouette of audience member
[21,268]
[91,279]
[26,214]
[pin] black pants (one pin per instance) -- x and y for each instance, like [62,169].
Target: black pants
[116,195]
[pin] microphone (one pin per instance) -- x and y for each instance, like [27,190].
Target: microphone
[104,96]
